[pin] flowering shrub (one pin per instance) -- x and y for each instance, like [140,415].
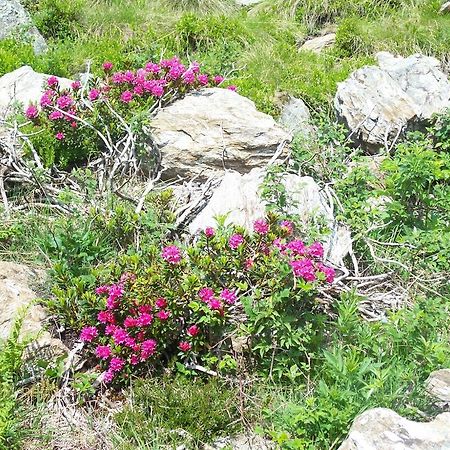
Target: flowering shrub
[71,115]
[187,300]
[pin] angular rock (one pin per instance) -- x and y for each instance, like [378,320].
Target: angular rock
[14,19]
[16,294]
[438,386]
[384,429]
[214,129]
[319,43]
[378,103]
[295,117]
[23,86]
[238,197]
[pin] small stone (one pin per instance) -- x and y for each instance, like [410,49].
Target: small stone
[318,44]
[445,8]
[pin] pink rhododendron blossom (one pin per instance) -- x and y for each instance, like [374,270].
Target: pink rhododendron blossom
[329,272]
[278,243]
[120,336]
[31,112]
[206,294]
[145,309]
[60,136]
[189,77]
[106,317]
[108,376]
[130,342]
[228,296]
[46,100]
[152,67]
[94,94]
[261,226]
[297,247]
[315,250]
[218,79]
[203,79]
[73,124]
[287,226]
[129,76]
[55,115]
[110,329]
[118,78]
[88,334]
[116,364]
[171,254]
[235,241]
[64,102]
[148,348]
[210,232]
[76,85]
[214,303]
[232,87]
[145,319]
[184,346]
[138,90]
[103,351]
[52,81]
[126,96]
[130,322]
[193,330]
[163,315]
[134,360]
[115,292]
[195,67]
[249,263]
[107,66]
[303,268]
[161,303]
[104,289]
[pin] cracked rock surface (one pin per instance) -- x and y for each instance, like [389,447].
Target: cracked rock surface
[379,103]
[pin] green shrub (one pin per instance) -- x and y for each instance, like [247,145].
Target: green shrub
[15,54]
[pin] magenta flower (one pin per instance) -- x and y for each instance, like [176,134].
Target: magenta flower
[163,315]
[103,351]
[189,77]
[52,81]
[64,102]
[315,250]
[203,79]
[218,79]
[60,136]
[134,360]
[108,376]
[55,115]
[88,334]
[145,309]
[260,226]
[94,94]
[107,66]
[278,243]
[297,247]
[31,112]
[73,124]
[148,347]
[206,294]
[171,254]
[106,317]
[118,78]
[120,336]
[329,272]
[46,100]
[235,241]
[115,292]
[287,226]
[76,85]
[303,268]
[116,364]
[232,87]
[126,96]
[110,329]
[130,322]
[214,303]
[103,289]
[152,67]
[228,296]
[138,90]
[184,346]
[161,303]
[145,319]
[193,330]
[210,232]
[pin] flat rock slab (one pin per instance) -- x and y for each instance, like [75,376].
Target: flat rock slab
[212,130]
[317,44]
[438,386]
[384,429]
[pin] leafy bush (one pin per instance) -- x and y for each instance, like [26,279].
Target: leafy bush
[14,54]
[184,303]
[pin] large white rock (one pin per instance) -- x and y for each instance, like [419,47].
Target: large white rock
[295,117]
[23,86]
[213,129]
[377,103]
[238,197]
[384,429]
[17,293]
[14,20]
[438,386]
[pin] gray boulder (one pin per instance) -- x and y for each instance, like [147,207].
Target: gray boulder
[212,130]
[384,429]
[295,116]
[378,103]
[23,86]
[14,21]
[438,386]
[238,197]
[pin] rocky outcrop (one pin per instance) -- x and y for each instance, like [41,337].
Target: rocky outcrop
[319,43]
[438,386]
[238,197]
[295,117]
[212,130]
[14,21]
[23,86]
[378,103]
[384,429]
[17,295]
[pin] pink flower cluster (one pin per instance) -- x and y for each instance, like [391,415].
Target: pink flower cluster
[217,303]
